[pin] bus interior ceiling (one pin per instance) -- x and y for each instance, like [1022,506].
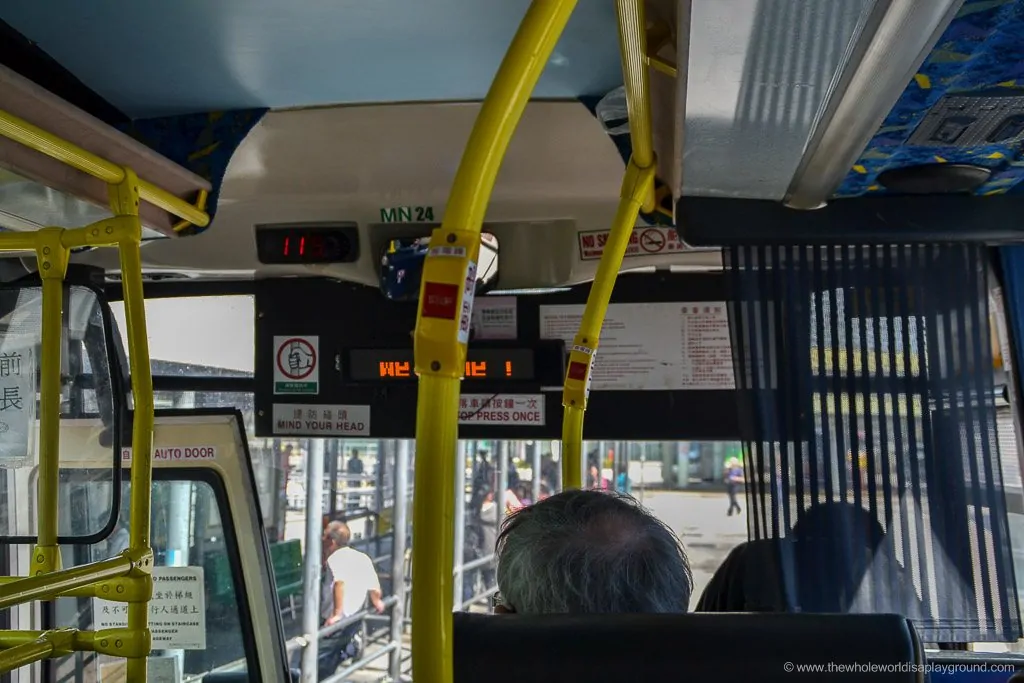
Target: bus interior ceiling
[899,123]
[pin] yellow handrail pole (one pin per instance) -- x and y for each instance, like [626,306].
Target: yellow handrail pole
[637,191]
[50,585]
[81,640]
[499,115]
[36,138]
[23,655]
[48,644]
[124,202]
[442,331]
[52,258]
[633,48]
[635,186]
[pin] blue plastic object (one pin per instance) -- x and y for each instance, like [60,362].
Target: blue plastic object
[401,271]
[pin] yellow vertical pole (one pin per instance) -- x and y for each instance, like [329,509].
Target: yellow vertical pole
[124,201]
[637,192]
[635,186]
[633,51]
[442,332]
[53,262]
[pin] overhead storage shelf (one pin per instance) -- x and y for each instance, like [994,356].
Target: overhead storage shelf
[46,141]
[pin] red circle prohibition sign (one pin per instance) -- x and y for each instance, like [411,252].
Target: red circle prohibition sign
[293,345]
[652,241]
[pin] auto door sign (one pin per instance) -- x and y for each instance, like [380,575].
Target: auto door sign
[296,365]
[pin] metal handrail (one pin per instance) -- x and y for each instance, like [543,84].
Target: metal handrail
[479,562]
[36,138]
[479,598]
[299,642]
[362,663]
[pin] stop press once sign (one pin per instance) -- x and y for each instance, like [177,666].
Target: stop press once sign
[177,453]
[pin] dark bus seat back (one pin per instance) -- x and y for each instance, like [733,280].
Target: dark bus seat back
[692,647]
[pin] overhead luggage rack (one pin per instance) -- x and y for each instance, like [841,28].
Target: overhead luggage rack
[57,147]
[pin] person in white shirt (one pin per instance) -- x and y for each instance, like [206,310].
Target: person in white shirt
[349,579]
[355,578]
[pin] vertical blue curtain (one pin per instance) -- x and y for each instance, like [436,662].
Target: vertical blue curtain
[867,400]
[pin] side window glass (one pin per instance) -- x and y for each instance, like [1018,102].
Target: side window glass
[196,611]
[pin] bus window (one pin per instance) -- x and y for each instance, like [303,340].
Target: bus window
[187,335]
[200,629]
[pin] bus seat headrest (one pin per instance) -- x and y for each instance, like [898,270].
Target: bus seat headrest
[599,648]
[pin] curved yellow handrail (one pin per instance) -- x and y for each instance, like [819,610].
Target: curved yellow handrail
[442,332]
[635,187]
[637,193]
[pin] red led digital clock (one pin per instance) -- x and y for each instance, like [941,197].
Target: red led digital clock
[307,244]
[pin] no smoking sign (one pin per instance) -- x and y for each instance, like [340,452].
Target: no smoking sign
[652,241]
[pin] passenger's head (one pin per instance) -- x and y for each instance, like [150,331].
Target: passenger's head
[590,552]
[336,536]
[839,521]
[835,545]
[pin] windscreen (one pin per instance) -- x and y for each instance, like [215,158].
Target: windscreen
[85,505]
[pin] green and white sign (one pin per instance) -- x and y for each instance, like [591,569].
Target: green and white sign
[296,365]
[407,214]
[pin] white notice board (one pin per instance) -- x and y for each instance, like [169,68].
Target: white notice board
[518,410]
[654,346]
[494,317]
[177,612]
[321,420]
[17,406]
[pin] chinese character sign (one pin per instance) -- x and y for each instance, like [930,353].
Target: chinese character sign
[177,611]
[17,405]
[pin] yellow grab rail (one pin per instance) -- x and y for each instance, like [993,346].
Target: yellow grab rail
[36,138]
[40,646]
[126,578]
[637,193]
[15,590]
[442,332]
[635,186]
[633,47]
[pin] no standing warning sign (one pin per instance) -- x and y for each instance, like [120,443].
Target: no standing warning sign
[296,365]
[653,241]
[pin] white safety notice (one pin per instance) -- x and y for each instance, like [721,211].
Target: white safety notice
[526,410]
[654,346]
[494,317]
[318,420]
[468,292]
[177,610]
[296,365]
[645,241]
[174,454]
[17,406]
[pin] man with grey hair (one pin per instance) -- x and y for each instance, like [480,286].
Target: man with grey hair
[590,552]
